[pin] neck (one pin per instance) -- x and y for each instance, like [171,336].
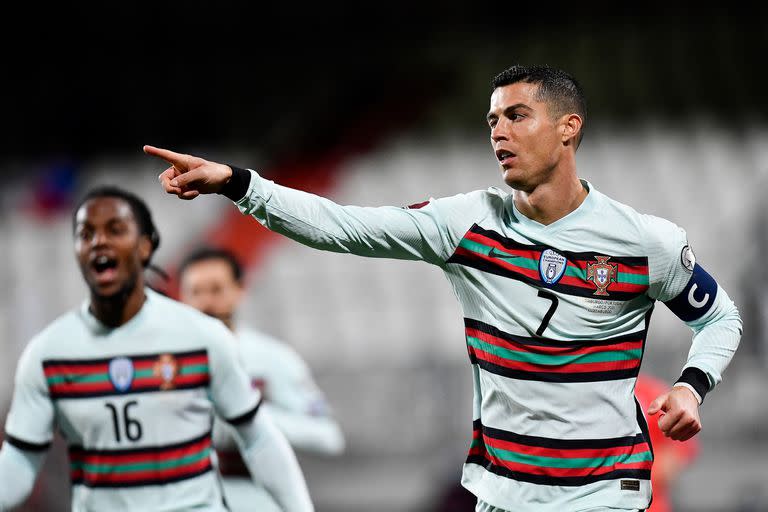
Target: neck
[118,309]
[552,200]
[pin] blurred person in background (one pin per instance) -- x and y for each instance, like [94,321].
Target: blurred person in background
[556,282]
[211,280]
[131,380]
[670,458]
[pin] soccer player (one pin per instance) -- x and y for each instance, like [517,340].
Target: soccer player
[131,380]
[556,282]
[211,281]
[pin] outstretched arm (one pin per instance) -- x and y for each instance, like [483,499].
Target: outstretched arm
[18,472]
[429,232]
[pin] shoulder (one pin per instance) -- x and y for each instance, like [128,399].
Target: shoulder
[182,320]
[486,197]
[278,352]
[64,330]
[181,313]
[656,232]
[469,206]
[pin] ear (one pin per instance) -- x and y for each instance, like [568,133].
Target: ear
[145,248]
[239,293]
[571,126]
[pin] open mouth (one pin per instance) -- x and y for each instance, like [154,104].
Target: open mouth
[503,155]
[104,267]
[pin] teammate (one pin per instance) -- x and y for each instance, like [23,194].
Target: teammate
[211,281]
[557,283]
[131,380]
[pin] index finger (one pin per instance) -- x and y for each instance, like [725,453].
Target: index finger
[169,156]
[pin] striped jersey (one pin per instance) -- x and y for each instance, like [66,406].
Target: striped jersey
[556,319]
[135,404]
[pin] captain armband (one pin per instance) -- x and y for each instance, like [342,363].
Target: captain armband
[697,297]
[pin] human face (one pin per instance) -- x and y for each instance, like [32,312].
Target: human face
[108,246]
[210,286]
[527,142]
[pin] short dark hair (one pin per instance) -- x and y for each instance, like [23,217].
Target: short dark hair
[213,253]
[139,208]
[557,88]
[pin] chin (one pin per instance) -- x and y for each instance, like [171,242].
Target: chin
[512,180]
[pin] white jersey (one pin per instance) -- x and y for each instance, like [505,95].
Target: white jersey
[295,403]
[134,403]
[556,318]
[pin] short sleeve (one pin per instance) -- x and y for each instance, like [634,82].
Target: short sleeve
[233,397]
[30,422]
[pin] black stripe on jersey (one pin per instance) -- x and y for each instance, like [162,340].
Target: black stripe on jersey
[143,483]
[643,424]
[577,291]
[569,481]
[134,358]
[142,450]
[630,373]
[631,261]
[537,283]
[114,392]
[26,445]
[245,418]
[559,444]
[548,342]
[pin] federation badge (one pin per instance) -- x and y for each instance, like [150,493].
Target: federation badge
[167,369]
[688,258]
[602,274]
[551,266]
[121,373]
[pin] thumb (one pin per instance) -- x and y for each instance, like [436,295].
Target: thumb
[189,180]
[658,404]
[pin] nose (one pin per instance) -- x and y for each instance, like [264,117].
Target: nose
[99,238]
[498,132]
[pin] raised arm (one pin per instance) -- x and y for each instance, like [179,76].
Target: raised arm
[429,232]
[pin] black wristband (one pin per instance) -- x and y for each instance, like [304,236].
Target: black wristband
[237,185]
[697,379]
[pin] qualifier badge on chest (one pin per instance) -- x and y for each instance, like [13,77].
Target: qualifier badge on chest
[551,266]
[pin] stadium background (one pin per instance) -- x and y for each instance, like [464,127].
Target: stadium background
[375,104]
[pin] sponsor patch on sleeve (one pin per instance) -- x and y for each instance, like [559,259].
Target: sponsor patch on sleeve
[687,258]
[696,298]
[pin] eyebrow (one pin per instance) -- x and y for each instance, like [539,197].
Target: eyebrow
[510,108]
[89,224]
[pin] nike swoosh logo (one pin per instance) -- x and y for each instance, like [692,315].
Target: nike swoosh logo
[493,253]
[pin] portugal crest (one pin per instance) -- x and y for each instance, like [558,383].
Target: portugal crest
[167,369]
[602,274]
